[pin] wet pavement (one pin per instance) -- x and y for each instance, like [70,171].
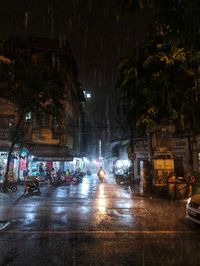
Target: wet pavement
[95,223]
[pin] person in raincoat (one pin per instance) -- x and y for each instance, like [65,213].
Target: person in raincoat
[101,173]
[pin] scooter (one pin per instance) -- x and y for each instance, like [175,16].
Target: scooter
[75,179]
[122,178]
[10,187]
[101,175]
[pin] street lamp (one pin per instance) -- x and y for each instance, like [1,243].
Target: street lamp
[87,94]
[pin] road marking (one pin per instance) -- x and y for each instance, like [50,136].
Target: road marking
[5,224]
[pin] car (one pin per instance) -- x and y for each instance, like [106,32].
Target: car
[193,208]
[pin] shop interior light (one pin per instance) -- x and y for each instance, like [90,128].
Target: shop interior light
[85,160]
[122,163]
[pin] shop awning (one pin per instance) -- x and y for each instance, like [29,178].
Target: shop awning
[49,152]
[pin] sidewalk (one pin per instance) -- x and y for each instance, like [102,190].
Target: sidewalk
[155,192]
[139,191]
[11,198]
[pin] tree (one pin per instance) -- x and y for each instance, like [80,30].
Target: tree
[182,17]
[33,87]
[162,85]
[157,77]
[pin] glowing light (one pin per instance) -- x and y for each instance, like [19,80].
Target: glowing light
[85,160]
[122,163]
[96,162]
[85,186]
[88,95]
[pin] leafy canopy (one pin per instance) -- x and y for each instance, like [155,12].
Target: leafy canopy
[182,16]
[160,81]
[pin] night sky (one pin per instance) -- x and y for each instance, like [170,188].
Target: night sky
[97,38]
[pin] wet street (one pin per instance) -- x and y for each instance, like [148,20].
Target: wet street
[95,223]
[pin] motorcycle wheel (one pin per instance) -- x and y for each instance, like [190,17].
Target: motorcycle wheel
[29,190]
[13,188]
[117,180]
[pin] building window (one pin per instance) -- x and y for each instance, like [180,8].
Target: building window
[6,123]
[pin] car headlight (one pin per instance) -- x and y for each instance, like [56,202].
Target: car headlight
[188,202]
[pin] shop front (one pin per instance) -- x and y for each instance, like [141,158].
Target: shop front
[14,165]
[44,157]
[77,163]
[23,164]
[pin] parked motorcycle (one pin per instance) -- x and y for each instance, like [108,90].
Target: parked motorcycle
[122,178]
[11,186]
[77,177]
[68,180]
[32,185]
[75,180]
[89,173]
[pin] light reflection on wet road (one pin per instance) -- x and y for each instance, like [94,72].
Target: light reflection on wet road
[94,224]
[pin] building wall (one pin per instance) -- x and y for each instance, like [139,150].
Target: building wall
[42,130]
[46,54]
[180,154]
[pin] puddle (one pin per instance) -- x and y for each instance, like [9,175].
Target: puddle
[136,212]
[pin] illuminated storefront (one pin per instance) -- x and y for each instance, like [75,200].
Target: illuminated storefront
[14,164]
